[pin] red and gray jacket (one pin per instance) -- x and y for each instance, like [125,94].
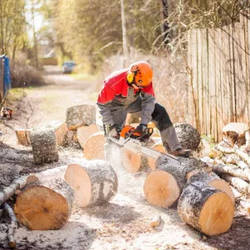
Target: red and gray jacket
[118,94]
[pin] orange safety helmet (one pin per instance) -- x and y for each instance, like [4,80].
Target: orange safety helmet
[140,73]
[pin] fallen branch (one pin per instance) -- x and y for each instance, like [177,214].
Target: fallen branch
[12,227]
[241,185]
[17,184]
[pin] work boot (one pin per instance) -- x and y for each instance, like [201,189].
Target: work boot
[181,152]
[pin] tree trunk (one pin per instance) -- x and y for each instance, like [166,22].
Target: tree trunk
[94,146]
[165,25]
[163,185]
[44,146]
[45,205]
[205,208]
[94,182]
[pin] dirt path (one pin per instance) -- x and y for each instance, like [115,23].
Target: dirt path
[124,223]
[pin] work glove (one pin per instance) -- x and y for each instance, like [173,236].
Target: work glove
[141,129]
[112,130]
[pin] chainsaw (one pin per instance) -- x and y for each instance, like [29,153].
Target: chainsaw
[133,140]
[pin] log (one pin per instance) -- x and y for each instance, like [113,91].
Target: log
[234,133]
[213,180]
[205,208]
[19,183]
[94,147]
[44,146]
[163,185]
[81,115]
[247,137]
[224,148]
[12,227]
[94,182]
[131,160]
[45,205]
[232,170]
[241,185]
[60,133]
[84,132]
[152,161]
[187,135]
[23,136]
[244,156]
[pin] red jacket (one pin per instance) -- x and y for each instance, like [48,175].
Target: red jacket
[118,95]
[116,85]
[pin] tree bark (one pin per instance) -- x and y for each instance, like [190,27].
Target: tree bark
[94,182]
[205,208]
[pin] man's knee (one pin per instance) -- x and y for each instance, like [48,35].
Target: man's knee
[161,117]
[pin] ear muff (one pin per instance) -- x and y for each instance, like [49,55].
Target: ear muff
[130,77]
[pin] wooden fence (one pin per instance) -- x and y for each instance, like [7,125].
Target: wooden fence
[219,66]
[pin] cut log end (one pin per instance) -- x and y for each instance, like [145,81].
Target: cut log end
[152,161]
[161,189]
[78,179]
[131,160]
[217,214]
[94,147]
[41,208]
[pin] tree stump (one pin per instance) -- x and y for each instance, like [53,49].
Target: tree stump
[234,133]
[23,136]
[44,146]
[94,147]
[205,208]
[45,206]
[94,182]
[84,132]
[163,185]
[81,115]
[187,135]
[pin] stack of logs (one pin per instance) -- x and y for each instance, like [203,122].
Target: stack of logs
[44,200]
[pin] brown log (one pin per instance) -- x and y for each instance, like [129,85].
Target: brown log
[61,132]
[44,147]
[245,205]
[94,146]
[45,205]
[12,227]
[94,182]
[213,180]
[23,136]
[81,115]
[152,161]
[241,185]
[163,185]
[247,137]
[205,208]
[19,183]
[131,161]
[234,133]
[84,132]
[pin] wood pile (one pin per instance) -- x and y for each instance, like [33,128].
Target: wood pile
[231,157]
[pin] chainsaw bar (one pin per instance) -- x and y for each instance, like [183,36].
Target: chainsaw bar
[137,146]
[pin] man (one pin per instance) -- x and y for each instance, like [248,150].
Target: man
[131,90]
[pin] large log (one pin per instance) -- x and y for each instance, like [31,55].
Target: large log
[84,132]
[44,145]
[234,133]
[19,183]
[94,182]
[81,115]
[94,146]
[45,205]
[207,209]
[163,185]
[187,135]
